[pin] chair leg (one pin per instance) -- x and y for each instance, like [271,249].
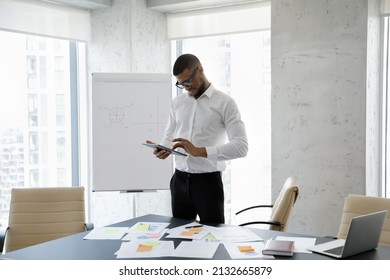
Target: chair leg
[2,238]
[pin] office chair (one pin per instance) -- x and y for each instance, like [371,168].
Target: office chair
[38,215]
[355,205]
[2,236]
[281,209]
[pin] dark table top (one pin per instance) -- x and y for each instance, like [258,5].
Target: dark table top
[74,247]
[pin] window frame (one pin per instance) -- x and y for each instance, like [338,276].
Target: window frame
[384,155]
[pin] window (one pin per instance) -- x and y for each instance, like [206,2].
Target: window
[239,65]
[36,147]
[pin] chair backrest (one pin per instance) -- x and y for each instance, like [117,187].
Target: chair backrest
[281,211]
[42,214]
[356,205]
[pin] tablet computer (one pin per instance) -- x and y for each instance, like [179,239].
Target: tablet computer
[160,147]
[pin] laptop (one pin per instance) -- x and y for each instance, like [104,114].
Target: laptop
[363,235]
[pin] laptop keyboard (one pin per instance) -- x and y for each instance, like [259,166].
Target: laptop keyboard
[336,250]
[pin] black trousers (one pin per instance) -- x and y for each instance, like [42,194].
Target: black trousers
[198,194]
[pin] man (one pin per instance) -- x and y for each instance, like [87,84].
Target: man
[199,122]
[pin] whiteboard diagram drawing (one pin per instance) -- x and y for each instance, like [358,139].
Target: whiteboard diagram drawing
[128,109]
[116,115]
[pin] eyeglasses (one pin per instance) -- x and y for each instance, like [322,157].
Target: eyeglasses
[187,83]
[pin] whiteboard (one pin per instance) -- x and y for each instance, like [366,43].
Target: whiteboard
[128,109]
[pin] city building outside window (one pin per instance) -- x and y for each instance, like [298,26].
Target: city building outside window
[35,114]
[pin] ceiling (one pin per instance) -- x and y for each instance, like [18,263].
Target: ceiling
[174,6]
[84,4]
[165,6]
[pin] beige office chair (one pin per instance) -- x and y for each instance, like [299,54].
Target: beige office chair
[42,214]
[281,209]
[355,205]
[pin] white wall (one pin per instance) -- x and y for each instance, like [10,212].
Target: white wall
[128,37]
[319,91]
[322,75]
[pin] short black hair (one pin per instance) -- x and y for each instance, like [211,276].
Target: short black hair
[185,61]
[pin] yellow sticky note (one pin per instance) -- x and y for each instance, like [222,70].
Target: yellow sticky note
[152,243]
[244,249]
[143,227]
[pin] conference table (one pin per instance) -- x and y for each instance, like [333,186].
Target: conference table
[75,247]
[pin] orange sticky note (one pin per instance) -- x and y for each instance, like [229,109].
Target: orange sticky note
[244,249]
[196,230]
[144,248]
[187,233]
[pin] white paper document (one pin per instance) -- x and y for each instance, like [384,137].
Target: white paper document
[300,243]
[246,250]
[193,231]
[146,249]
[189,249]
[234,234]
[148,227]
[144,236]
[208,238]
[107,233]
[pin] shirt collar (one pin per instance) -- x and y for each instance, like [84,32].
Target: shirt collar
[209,91]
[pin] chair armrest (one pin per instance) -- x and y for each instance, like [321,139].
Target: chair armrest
[261,223]
[253,207]
[89,226]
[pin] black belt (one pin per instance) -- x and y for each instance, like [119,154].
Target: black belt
[206,174]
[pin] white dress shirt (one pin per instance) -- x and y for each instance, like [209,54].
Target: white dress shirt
[212,121]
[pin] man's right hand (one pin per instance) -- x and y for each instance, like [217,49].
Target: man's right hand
[161,154]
